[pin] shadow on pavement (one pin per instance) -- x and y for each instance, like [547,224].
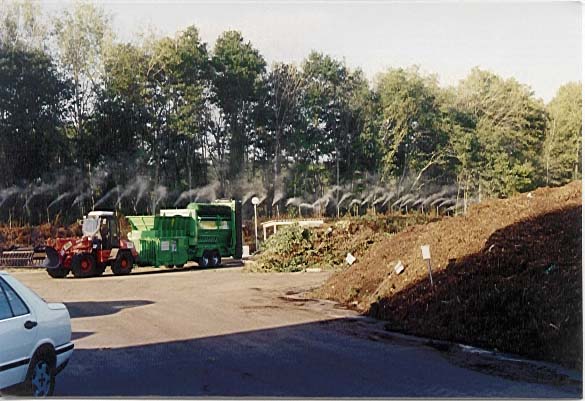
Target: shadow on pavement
[101,308]
[76,335]
[147,270]
[320,359]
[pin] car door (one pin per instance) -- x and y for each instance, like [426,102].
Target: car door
[18,333]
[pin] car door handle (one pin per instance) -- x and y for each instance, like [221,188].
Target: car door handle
[29,324]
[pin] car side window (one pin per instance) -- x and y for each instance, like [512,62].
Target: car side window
[5,311]
[17,305]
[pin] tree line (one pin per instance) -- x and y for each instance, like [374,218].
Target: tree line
[87,121]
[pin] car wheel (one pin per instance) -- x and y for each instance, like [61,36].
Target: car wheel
[123,264]
[41,381]
[83,265]
[59,272]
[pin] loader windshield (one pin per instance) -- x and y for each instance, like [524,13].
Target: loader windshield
[90,226]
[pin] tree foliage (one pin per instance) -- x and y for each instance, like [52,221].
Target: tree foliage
[161,121]
[562,147]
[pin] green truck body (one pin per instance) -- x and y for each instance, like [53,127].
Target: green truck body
[203,232]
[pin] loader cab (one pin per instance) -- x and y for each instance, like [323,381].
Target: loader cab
[103,227]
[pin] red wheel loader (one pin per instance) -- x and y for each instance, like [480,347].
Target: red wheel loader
[88,256]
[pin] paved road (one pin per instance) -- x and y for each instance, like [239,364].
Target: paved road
[224,332]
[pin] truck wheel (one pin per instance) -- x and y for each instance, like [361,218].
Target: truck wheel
[204,260]
[215,259]
[180,266]
[83,265]
[170,266]
[123,264]
[59,272]
[41,377]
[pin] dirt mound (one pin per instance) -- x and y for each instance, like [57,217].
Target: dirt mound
[507,276]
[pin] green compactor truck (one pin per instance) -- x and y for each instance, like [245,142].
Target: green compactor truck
[203,232]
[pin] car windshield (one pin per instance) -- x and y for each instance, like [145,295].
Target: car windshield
[90,226]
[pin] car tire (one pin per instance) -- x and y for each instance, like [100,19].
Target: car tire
[41,376]
[59,272]
[83,265]
[123,264]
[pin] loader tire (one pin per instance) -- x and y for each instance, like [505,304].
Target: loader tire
[123,264]
[100,269]
[83,265]
[59,272]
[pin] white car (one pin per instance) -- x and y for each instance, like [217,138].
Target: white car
[35,338]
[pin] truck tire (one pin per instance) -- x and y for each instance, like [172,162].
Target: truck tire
[59,272]
[83,265]
[204,260]
[41,374]
[215,259]
[123,264]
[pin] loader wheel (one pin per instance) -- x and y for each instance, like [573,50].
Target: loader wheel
[204,260]
[100,269]
[83,265]
[59,272]
[123,264]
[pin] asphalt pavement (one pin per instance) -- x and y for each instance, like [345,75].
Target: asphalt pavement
[225,332]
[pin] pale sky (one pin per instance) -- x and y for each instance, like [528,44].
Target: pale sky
[539,44]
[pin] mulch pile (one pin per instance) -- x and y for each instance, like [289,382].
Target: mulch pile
[507,276]
[32,236]
[293,248]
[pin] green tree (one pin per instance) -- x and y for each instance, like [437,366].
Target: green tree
[32,96]
[21,25]
[236,80]
[412,133]
[509,123]
[562,148]
[188,75]
[82,36]
[284,94]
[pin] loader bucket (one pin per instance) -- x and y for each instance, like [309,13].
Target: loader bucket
[52,260]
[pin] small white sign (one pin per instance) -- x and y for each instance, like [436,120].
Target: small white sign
[164,245]
[399,268]
[350,259]
[426,252]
